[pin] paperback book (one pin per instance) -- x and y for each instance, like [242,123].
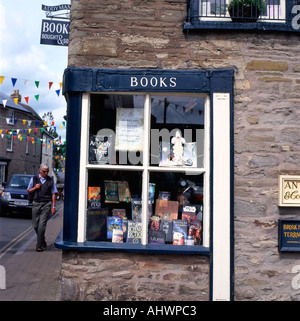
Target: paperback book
[134,232]
[113,223]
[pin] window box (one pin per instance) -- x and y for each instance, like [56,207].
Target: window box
[278,15]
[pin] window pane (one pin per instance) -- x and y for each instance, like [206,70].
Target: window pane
[116,129]
[177,208]
[177,131]
[213,8]
[113,199]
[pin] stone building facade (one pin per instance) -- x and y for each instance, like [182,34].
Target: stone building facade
[18,154]
[149,35]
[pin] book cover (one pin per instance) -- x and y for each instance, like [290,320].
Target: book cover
[154,223]
[134,232]
[119,212]
[156,237]
[190,154]
[124,191]
[167,228]
[195,230]
[136,209]
[96,225]
[189,214]
[100,149]
[113,223]
[117,236]
[179,232]
[94,197]
[111,192]
[167,210]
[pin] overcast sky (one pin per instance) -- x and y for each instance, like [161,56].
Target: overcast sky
[23,57]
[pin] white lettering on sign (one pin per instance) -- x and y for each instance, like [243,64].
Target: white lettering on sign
[154,82]
[55,27]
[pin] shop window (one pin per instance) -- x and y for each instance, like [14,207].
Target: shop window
[144,170]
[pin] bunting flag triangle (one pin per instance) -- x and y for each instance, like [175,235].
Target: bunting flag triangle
[26,82]
[57,91]
[13,80]
[4,101]
[37,97]
[27,99]
[60,84]
[16,101]
[37,84]
[1,79]
[50,84]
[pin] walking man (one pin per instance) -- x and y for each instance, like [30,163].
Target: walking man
[42,190]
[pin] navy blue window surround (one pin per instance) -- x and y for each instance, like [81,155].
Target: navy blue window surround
[279,15]
[78,81]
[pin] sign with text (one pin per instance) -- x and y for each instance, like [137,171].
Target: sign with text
[289,191]
[55,32]
[289,235]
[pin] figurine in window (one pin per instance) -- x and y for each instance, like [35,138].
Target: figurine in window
[177,142]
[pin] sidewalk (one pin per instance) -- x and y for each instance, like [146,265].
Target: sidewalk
[33,276]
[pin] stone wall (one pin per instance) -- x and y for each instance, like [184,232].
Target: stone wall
[148,34]
[133,277]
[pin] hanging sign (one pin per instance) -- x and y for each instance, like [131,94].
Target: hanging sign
[289,191]
[56,8]
[55,32]
[289,235]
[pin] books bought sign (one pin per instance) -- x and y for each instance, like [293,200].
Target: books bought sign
[55,32]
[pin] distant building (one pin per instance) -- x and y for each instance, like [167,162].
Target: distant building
[21,137]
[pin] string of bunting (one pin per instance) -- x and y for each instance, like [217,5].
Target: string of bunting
[26,81]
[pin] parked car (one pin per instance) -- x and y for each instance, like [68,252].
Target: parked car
[15,194]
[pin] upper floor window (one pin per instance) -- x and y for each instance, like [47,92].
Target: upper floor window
[11,117]
[244,14]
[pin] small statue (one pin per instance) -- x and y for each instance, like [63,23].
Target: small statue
[178,142]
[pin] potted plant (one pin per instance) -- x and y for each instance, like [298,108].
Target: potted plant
[246,10]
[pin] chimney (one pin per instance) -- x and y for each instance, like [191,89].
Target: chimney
[16,94]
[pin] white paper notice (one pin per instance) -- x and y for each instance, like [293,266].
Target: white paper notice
[129,129]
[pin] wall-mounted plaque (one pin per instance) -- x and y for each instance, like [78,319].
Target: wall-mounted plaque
[289,235]
[289,191]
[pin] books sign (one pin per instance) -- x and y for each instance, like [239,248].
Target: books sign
[55,32]
[289,191]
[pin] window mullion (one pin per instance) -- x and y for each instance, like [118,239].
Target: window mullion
[146,151]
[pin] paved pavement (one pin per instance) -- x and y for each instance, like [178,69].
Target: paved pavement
[35,276]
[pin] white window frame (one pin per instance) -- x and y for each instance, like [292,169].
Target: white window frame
[145,168]
[9,143]
[11,117]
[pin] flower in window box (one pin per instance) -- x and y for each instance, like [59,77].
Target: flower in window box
[246,10]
